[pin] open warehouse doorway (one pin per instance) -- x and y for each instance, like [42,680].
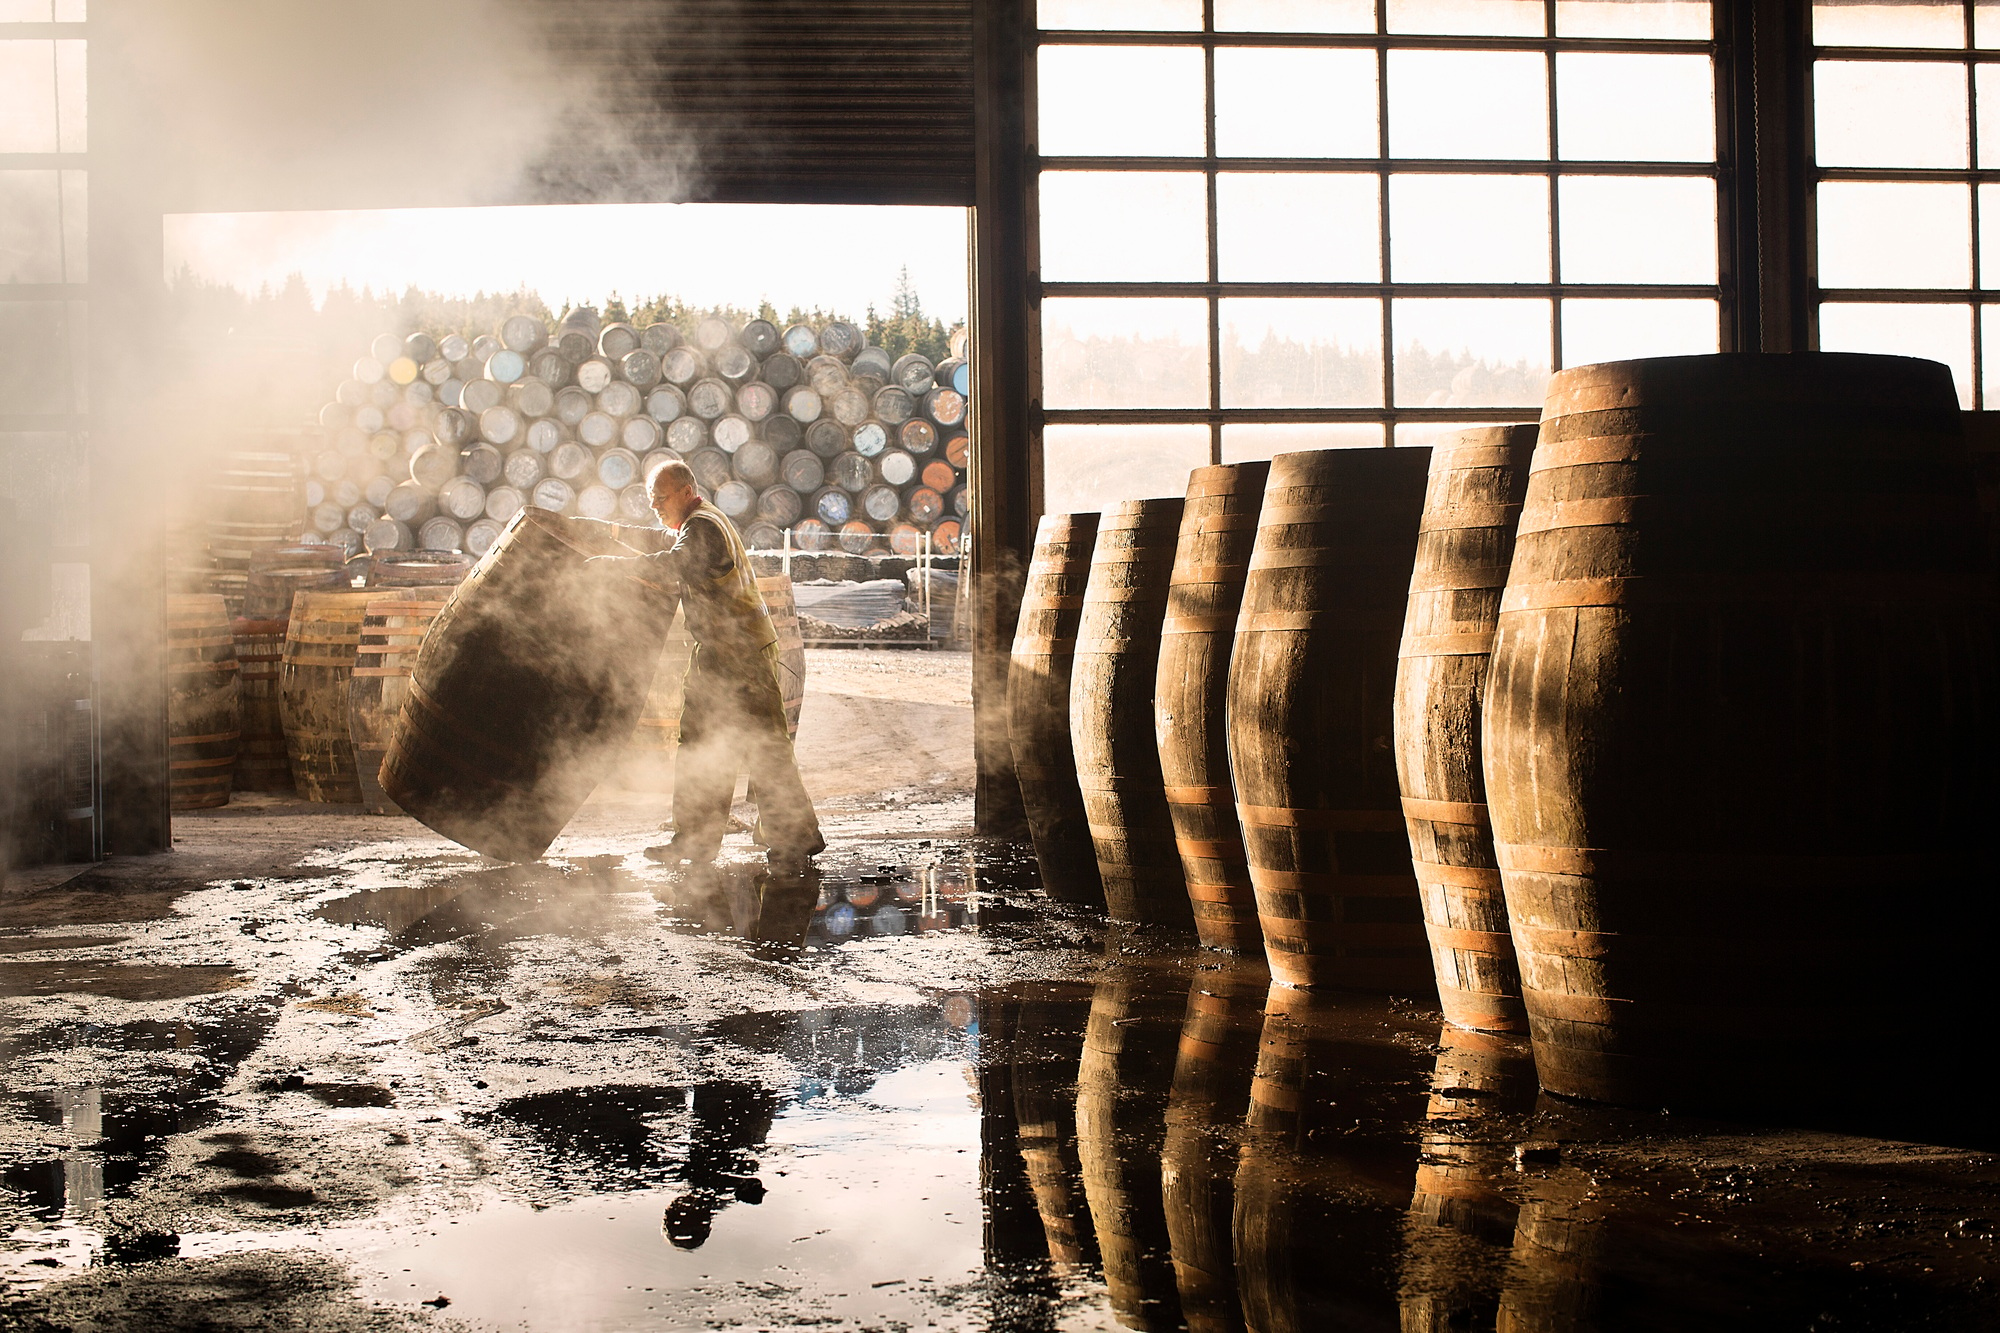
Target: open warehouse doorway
[422,375]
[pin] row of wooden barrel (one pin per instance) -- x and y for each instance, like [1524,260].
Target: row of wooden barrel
[1623,730]
[309,702]
[1238,1156]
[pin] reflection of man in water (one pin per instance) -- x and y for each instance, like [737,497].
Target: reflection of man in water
[731,1121]
[733,715]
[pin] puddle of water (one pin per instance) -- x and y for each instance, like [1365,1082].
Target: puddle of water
[605,1095]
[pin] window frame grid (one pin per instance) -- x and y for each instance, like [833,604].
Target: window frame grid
[1975,297]
[1383,167]
[64,294]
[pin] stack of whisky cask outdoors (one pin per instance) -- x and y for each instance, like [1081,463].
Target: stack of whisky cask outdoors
[1678,724]
[437,440]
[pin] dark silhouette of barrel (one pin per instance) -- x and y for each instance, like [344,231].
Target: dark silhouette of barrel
[1038,689]
[1048,1043]
[1121,1100]
[204,710]
[527,685]
[1461,1223]
[1323,1184]
[1190,699]
[1205,1110]
[261,764]
[1311,688]
[1470,509]
[392,630]
[1739,719]
[320,643]
[1111,705]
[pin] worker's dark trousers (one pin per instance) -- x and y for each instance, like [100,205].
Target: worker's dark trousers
[732,723]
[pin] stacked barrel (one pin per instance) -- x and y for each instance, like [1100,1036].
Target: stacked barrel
[435,441]
[1640,732]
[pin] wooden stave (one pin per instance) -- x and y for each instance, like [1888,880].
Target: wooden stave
[1122,1085]
[261,762]
[204,702]
[320,643]
[1038,692]
[1206,1105]
[1190,700]
[1362,928]
[392,630]
[500,789]
[1633,993]
[1471,506]
[1111,687]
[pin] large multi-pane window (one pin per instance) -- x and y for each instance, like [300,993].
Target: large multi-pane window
[44,137]
[1278,224]
[1906,142]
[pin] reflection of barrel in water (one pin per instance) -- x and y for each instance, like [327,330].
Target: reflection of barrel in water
[1327,1162]
[1460,1223]
[1210,1094]
[1121,1102]
[1552,1284]
[1048,1040]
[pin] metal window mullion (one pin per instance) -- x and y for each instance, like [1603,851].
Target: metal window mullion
[1380,39]
[1382,221]
[1114,416]
[1555,206]
[1471,290]
[1214,239]
[1972,199]
[1473,166]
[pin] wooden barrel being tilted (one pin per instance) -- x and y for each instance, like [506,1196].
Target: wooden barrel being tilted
[528,684]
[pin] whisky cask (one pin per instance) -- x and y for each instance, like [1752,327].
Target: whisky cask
[527,686]
[1190,697]
[1741,704]
[1038,693]
[1311,685]
[320,643]
[1467,539]
[1111,707]
[392,630]
[261,764]
[204,708]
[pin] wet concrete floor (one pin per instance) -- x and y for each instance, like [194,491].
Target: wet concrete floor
[332,1072]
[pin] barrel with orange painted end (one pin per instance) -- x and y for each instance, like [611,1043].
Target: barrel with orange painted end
[1111,713]
[1205,1109]
[526,687]
[1190,697]
[1739,716]
[1467,539]
[1038,683]
[321,640]
[204,705]
[1311,694]
[393,625]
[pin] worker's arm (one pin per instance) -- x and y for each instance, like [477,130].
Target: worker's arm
[698,555]
[645,540]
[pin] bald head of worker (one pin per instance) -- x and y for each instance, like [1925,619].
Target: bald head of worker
[673,493]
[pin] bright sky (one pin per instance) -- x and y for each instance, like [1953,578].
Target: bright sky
[832,257]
